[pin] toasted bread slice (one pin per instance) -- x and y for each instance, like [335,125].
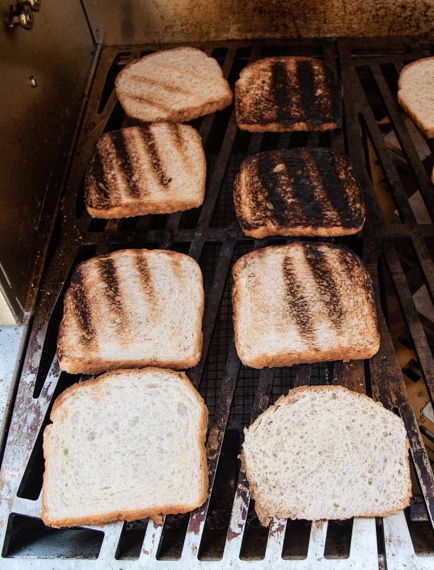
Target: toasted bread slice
[130,309]
[299,192]
[303,303]
[125,446]
[158,168]
[178,84]
[325,452]
[416,94]
[288,93]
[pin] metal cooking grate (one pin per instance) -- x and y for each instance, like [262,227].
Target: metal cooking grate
[397,246]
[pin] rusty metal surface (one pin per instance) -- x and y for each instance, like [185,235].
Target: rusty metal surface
[224,532]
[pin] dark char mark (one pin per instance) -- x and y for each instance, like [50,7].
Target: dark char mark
[124,159]
[83,307]
[296,301]
[328,288]
[154,155]
[270,181]
[145,276]
[281,89]
[319,107]
[97,172]
[336,190]
[303,187]
[107,270]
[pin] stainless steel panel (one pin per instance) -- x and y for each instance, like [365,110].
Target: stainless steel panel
[43,74]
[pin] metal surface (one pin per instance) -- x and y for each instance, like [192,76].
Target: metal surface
[397,251]
[43,75]
[116,22]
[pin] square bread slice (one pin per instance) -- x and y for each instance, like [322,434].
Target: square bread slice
[303,302]
[132,308]
[288,93]
[127,445]
[158,168]
[303,191]
[416,94]
[178,84]
[325,452]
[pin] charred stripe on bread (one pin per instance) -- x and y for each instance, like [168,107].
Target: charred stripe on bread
[83,310]
[297,303]
[329,293]
[154,155]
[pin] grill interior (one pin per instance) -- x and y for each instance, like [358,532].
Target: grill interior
[397,246]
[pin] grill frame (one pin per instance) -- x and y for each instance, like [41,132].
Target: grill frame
[225,384]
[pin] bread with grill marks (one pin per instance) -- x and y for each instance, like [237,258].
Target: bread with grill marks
[178,84]
[416,93]
[303,302]
[158,168]
[288,93]
[130,309]
[305,191]
[127,445]
[325,452]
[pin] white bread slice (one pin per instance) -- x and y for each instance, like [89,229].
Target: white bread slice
[416,94]
[178,84]
[158,168]
[288,93]
[303,302]
[326,452]
[305,191]
[132,308]
[124,446]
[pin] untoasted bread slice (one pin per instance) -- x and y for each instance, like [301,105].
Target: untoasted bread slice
[178,84]
[416,94]
[299,192]
[125,446]
[303,303]
[132,308]
[158,168]
[325,452]
[288,93]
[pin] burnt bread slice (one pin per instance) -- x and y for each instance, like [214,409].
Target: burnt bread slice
[130,309]
[288,93]
[158,168]
[305,191]
[178,84]
[303,302]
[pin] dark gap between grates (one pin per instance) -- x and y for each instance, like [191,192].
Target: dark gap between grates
[29,538]
[217,521]
[338,539]
[131,540]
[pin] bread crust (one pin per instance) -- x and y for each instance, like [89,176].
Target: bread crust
[199,92]
[301,315]
[263,512]
[133,514]
[286,94]
[301,192]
